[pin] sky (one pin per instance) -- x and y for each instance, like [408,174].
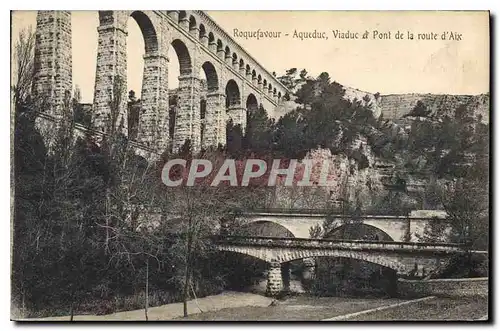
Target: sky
[387,66]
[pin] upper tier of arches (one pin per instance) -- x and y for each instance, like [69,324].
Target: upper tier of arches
[208,33]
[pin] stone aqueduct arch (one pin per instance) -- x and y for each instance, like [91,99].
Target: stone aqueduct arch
[199,44]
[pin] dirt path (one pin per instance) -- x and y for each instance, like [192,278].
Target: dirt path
[174,310]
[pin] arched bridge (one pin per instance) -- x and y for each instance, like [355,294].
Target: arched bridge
[399,256]
[404,258]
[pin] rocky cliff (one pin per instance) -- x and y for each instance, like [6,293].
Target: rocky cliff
[395,106]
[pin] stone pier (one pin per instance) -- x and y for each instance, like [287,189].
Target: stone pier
[110,93]
[187,122]
[238,115]
[154,102]
[215,132]
[53,60]
[52,72]
[274,279]
[309,272]
[286,276]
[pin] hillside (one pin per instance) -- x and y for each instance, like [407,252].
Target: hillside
[395,106]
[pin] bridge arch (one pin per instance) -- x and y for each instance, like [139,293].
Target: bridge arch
[233,96]
[251,104]
[202,32]
[227,53]
[361,231]
[182,16]
[387,262]
[183,55]
[292,254]
[212,76]
[147,29]
[211,38]
[220,47]
[298,230]
[263,228]
[192,24]
[235,60]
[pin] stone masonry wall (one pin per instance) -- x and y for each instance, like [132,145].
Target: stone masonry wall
[444,287]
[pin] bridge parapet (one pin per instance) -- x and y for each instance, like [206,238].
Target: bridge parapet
[340,244]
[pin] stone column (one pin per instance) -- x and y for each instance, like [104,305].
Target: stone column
[220,53]
[286,274]
[195,32]
[212,46]
[184,23]
[111,73]
[187,121]
[239,116]
[154,102]
[204,40]
[215,119]
[309,269]
[274,280]
[174,14]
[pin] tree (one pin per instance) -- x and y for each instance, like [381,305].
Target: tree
[195,213]
[234,138]
[54,239]
[258,133]
[290,79]
[134,113]
[420,110]
[23,63]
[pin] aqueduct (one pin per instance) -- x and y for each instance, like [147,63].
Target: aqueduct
[235,82]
